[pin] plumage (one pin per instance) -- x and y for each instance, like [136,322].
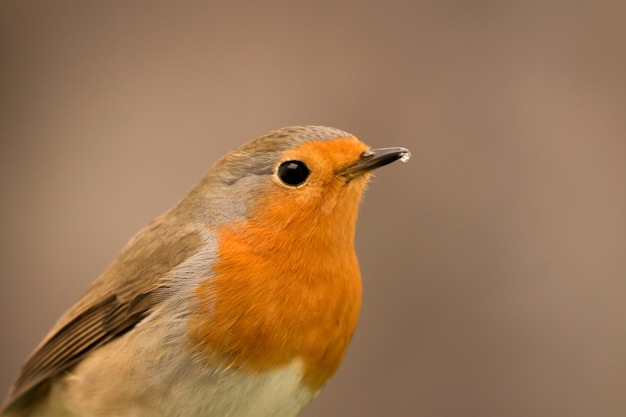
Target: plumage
[239,301]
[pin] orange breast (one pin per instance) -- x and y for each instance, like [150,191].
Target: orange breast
[284,293]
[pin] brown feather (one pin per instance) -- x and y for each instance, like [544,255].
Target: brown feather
[101,316]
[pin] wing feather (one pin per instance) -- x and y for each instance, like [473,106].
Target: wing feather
[102,315]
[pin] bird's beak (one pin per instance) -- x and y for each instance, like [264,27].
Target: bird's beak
[376,158]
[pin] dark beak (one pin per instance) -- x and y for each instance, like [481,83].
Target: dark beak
[376,158]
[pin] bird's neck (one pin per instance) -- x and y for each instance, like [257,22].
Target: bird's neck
[283,291]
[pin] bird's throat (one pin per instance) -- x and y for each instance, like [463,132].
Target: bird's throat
[281,292]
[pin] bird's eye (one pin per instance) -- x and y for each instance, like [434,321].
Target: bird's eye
[293,172]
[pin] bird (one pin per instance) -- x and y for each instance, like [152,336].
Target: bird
[239,301]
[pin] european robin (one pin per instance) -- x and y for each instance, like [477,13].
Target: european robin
[240,301]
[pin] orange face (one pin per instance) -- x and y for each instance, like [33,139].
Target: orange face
[286,284]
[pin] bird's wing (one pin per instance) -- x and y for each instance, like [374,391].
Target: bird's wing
[91,328]
[114,304]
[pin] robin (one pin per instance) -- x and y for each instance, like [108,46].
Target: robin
[239,301]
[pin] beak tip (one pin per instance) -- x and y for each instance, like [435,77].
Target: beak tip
[404,155]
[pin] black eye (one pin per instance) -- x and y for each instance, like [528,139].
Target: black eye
[293,172]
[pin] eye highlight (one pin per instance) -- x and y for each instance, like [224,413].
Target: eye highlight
[293,172]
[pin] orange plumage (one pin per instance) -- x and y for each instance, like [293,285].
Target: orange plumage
[287,284]
[239,301]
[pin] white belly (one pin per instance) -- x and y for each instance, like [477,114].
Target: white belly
[152,371]
[115,381]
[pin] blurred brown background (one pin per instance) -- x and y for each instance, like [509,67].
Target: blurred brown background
[494,262]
